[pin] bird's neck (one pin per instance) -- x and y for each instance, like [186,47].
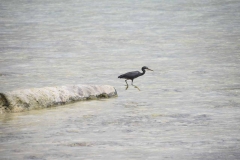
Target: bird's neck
[143,72]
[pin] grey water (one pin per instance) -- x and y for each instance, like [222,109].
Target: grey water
[188,108]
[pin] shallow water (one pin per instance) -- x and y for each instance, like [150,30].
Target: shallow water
[188,108]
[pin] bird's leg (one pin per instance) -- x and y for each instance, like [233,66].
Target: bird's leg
[126,87]
[135,86]
[126,82]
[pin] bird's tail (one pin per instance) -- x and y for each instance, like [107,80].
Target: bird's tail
[120,76]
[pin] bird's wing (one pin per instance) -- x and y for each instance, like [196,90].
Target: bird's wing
[130,75]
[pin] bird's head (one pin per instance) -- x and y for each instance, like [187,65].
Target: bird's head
[144,67]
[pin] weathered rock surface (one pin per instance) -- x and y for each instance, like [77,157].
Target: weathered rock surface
[35,98]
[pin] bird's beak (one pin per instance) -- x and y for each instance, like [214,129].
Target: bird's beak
[149,69]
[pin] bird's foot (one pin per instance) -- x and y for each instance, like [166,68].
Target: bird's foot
[136,87]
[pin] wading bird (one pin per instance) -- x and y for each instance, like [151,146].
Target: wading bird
[133,75]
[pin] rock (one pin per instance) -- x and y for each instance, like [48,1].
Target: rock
[35,98]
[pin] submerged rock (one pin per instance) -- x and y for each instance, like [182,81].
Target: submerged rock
[35,98]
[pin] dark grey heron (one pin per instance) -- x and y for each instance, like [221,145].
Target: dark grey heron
[133,75]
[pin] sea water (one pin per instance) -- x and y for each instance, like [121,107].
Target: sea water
[188,108]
